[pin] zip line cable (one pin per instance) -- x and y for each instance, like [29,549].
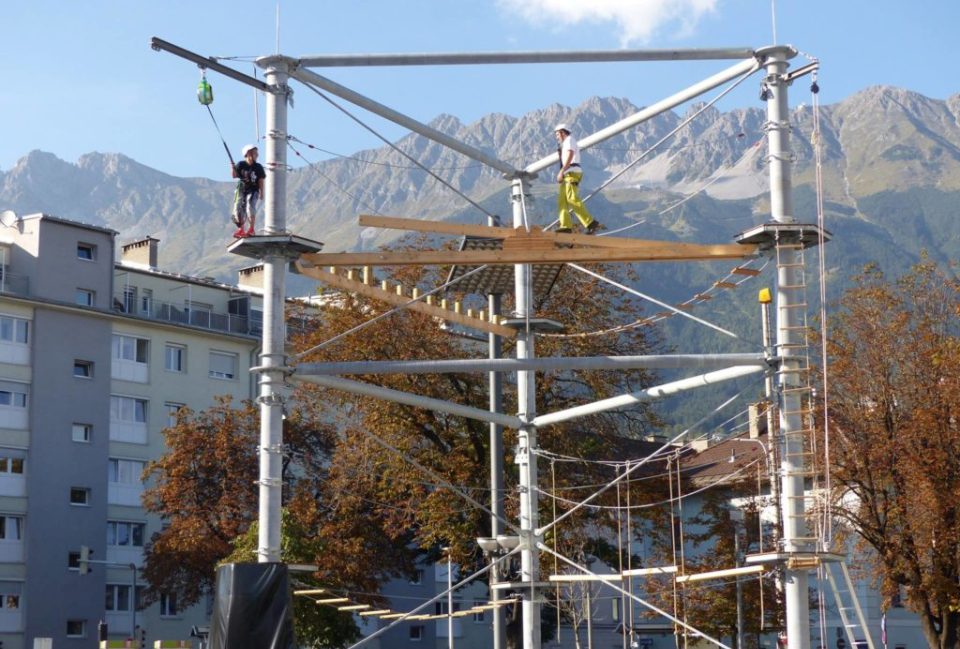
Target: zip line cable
[315,167]
[402,152]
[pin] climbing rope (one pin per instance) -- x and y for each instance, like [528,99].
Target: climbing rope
[205,97]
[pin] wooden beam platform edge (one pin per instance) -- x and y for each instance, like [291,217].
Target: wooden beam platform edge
[339,281]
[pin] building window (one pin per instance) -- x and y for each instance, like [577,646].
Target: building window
[417,632]
[118,597]
[441,607]
[223,365]
[172,410]
[82,432]
[175,358]
[128,409]
[86,251]
[146,301]
[124,471]
[11,528]
[83,369]
[11,465]
[79,496]
[14,330]
[417,578]
[85,297]
[168,605]
[125,534]
[76,628]
[128,348]
[10,602]
[13,399]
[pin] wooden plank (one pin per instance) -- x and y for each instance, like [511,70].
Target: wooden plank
[438,227]
[491,232]
[392,298]
[749,272]
[660,252]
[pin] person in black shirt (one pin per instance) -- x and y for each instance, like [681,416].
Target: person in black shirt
[250,175]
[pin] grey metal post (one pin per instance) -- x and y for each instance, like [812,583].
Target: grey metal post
[274,266]
[526,442]
[496,470]
[788,300]
[449,600]
[736,562]
[133,603]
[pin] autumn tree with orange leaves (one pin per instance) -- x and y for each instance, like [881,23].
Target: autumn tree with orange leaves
[351,459]
[894,405]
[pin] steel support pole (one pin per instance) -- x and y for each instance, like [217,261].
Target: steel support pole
[789,337]
[274,266]
[496,473]
[526,441]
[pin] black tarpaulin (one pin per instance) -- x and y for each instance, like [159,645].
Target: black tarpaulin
[252,609]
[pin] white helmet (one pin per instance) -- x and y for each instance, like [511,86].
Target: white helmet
[562,127]
[247,149]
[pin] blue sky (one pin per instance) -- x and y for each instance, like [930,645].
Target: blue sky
[81,77]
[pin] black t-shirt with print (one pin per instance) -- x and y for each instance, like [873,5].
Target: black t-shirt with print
[249,174]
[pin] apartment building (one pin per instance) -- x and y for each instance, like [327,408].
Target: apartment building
[96,356]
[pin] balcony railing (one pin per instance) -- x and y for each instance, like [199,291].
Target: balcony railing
[181,314]
[14,283]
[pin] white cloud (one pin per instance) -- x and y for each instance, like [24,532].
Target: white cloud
[637,20]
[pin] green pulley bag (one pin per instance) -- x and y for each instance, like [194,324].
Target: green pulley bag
[204,91]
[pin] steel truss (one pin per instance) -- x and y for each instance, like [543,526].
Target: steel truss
[276,255]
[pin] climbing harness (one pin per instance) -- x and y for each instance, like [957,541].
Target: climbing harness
[205,97]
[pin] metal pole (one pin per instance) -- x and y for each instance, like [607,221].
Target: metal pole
[496,470]
[493,364]
[736,561]
[398,396]
[656,392]
[133,603]
[526,442]
[449,601]
[272,358]
[789,338]
[491,58]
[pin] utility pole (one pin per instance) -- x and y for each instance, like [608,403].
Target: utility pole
[789,299]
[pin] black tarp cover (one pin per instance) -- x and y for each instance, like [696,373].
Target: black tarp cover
[252,609]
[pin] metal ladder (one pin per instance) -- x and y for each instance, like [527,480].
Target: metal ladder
[847,603]
[797,384]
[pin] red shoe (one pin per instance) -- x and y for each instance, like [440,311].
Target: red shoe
[250,233]
[238,234]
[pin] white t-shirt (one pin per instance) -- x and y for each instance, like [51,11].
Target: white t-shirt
[569,144]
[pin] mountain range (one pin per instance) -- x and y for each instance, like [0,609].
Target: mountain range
[890,161]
